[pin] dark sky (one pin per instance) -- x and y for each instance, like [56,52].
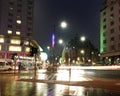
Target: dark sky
[82,17]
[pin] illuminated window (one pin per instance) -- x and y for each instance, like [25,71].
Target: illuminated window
[18,32]
[15,48]
[26,43]
[18,21]
[27,49]
[9,32]
[1,40]
[0,47]
[11,8]
[14,41]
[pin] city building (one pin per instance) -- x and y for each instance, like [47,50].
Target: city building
[16,29]
[110,32]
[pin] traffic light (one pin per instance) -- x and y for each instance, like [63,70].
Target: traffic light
[13,56]
[33,51]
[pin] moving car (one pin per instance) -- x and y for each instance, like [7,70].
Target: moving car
[5,66]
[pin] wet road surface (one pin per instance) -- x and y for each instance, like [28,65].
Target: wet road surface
[10,86]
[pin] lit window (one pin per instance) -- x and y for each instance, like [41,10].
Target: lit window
[9,32]
[18,32]
[18,21]
[15,48]
[1,40]
[14,41]
[11,8]
[0,47]
[26,43]
[27,49]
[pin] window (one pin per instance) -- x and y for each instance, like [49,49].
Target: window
[111,23]
[9,31]
[1,40]
[112,39]
[17,32]
[11,3]
[111,16]
[19,10]
[18,27]
[10,14]
[18,21]
[0,47]
[104,20]
[15,41]
[104,27]
[104,49]
[104,13]
[15,48]
[9,26]
[18,17]
[111,9]
[112,31]
[26,42]
[27,49]
[11,8]
[104,41]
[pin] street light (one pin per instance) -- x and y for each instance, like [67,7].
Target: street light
[63,24]
[48,47]
[82,38]
[60,41]
[83,52]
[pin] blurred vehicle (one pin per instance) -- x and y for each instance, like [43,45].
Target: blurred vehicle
[5,66]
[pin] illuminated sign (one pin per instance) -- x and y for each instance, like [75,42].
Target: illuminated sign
[53,40]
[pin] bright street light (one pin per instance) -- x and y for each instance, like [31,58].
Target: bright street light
[83,38]
[82,51]
[48,47]
[60,41]
[63,24]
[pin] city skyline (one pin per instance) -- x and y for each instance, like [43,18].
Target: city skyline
[83,18]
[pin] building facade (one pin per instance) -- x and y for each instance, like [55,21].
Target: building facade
[16,28]
[110,32]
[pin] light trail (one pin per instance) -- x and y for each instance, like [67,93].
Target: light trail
[89,67]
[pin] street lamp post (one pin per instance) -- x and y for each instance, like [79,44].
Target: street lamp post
[83,58]
[62,25]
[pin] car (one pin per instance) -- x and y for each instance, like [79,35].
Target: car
[5,66]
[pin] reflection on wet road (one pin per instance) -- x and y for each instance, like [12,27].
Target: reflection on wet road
[9,86]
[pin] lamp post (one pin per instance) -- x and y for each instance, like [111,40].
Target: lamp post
[82,39]
[83,58]
[62,25]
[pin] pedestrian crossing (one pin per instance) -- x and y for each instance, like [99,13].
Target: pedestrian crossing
[51,76]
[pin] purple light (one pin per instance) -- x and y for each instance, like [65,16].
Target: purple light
[53,40]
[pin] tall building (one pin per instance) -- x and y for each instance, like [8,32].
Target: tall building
[110,31]
[16,28]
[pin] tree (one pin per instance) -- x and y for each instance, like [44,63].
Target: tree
[75,46]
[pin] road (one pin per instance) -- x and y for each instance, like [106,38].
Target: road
[82,83]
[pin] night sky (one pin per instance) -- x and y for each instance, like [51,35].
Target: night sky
[82,16]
